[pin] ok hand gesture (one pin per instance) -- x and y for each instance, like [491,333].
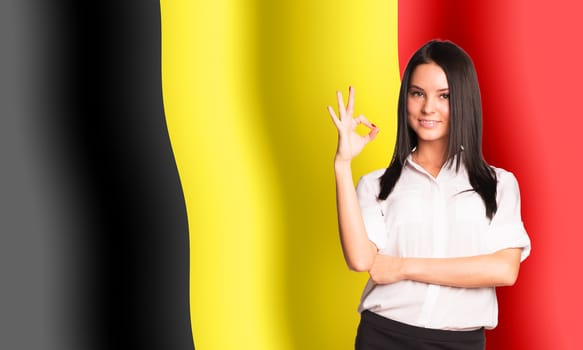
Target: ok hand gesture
[350,143]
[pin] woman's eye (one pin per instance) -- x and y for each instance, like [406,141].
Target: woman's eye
[416,93]
[444,96]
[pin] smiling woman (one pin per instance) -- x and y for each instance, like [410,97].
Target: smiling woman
[438,229]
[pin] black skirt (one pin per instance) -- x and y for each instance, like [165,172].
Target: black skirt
[376,332]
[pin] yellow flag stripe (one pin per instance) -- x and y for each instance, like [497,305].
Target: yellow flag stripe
[245,88]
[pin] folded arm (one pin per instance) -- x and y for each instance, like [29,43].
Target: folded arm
[488,270]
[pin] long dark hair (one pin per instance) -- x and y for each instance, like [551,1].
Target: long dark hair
[465,132]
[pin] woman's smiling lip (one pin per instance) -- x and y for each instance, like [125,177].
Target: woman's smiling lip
[428,123]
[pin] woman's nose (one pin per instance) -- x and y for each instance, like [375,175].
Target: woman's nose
[428,106]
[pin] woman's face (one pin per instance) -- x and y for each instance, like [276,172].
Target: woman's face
[428,103]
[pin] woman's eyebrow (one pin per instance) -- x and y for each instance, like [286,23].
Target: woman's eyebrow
[412,86]
[421,89]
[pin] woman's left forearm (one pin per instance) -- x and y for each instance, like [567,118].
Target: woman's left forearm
[489,270]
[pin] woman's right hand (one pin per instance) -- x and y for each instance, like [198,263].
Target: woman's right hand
[350,143]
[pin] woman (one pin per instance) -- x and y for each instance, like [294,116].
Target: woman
[438,229]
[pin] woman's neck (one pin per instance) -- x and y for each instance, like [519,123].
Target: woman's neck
[431,156]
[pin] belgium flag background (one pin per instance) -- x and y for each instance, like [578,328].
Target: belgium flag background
[167,181]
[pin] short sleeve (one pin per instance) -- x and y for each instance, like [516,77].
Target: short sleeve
[506,230]
[367,191]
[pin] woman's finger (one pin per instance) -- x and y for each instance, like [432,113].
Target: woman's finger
[361,119]
[350,107]
[333,116]
[341,106]
[371,135]
[374,130]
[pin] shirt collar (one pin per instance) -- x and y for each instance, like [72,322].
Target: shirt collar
[447,170]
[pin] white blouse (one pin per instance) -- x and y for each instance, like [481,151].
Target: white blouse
[432,217]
